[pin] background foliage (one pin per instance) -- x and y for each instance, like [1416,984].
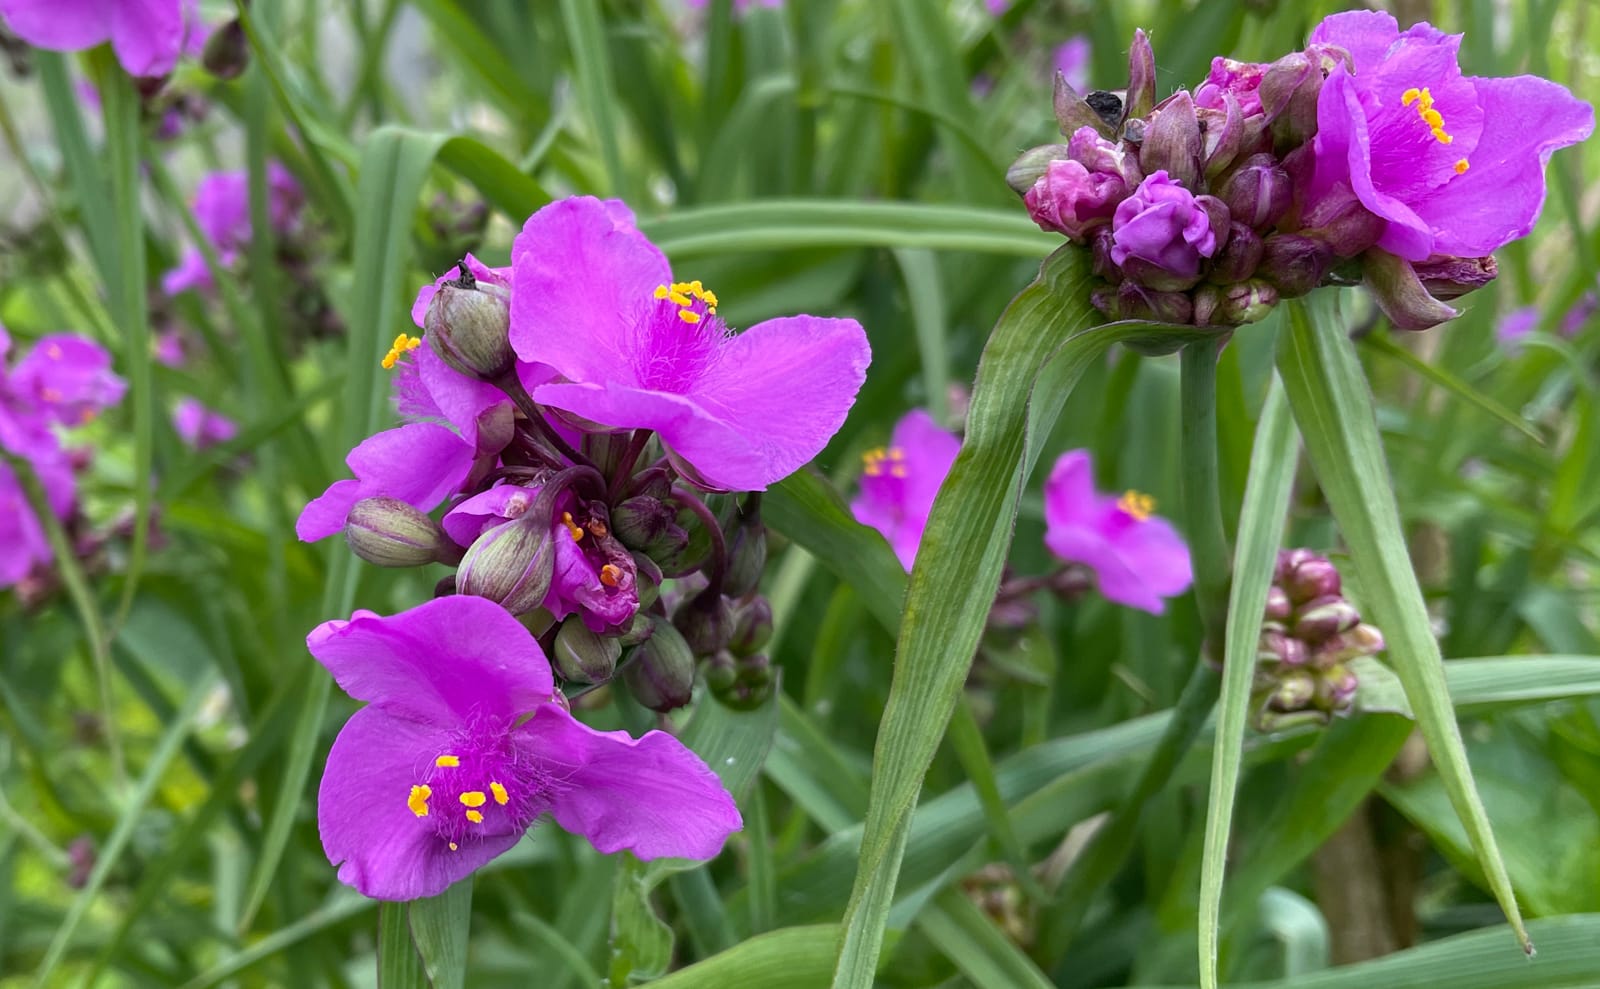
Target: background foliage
[164,726]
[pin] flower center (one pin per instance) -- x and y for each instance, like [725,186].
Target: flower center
[680,337]
[684,295]
[880,461]
[1138,505]
[478,788]
[402,346]
[1432,117]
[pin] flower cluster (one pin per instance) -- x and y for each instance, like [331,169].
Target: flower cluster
[61,383]
[1309,636]
[585,421]
[1367,156]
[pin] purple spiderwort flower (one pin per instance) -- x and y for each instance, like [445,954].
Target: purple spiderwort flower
[420,463]
[461,747]
[23,544]
[1162,224]
[474,516]
[1072,59]
[222,212]
[1080,192]
[898,484]
[199,426]
[1451,164]
[1515,325]
[595,300]
[1138,558]
[1242,80]
[146,35]
[168,349]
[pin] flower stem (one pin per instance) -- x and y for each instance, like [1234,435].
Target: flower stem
[1202,509]
[718,562]
[630,456]
[509,384]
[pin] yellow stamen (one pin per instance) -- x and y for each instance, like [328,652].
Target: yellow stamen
[475,817]
[572,527]
[689,316]
[501,797]
[679,299]
[402,345]
[1461,166]
[417,803]
[1137,504]
[897,470]
[454,846]
[872,461]
[1425,111]
[473,798]
[661,291]
[447,761]
[1410,96]
[610,574]
[597,529]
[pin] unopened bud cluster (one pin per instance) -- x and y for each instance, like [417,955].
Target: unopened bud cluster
[1196,208]
[1308,638]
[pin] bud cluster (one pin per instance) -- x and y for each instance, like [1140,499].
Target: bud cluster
[1309,636]
[1196,208]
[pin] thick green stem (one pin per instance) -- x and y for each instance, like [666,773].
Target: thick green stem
[1202,509]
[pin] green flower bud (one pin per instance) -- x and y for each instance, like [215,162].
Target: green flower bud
[639,522]
[752,626]
[639,629]
[468,324]
[1173,142]
[660,673]
[387,532]
[706,622]
[581,655]
[510,564]
[747,555]
[227,52]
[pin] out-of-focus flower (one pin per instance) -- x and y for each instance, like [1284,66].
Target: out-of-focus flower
[739,6]
[460,748]
[1073,58]
[594,300]
[146,35]
[168,348]
[899,482]
[1137,557]
[1452,164]
[1515,325]
[199,426]
[222,212]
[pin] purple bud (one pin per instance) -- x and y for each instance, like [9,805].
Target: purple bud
[1306,575]
[1101,242]
[468,324]
[497,427]
[1162,225]
[1097,154]
[660,672]
[1289,90]
[1228,78]
[1293,263]
[706,622]
[1071,200]
[1400,294]
[1336,689]
[752,626]
[747,556]
[227,51]
[1247,302]
[652,482]
[1239,258]
[1446,276]
[638,522]
[1225,134]
[1278,606]
[581,655]
[1141,76]
[1134,301]
[1258,192]
[1172,142]
[511,564]
[1363,640]
[1325,617]
[387,532]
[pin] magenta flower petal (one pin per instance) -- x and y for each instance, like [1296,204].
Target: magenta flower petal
[1366,34]
[420,463]
[453,658]
[582,271]
[23,544]
[576,587]
[1498,199]
[651,795]
[1138,558]
[383,848]
[485,510]
[69,377]
[899,484]
[200,427]
[192,273]
[147,35]
[58,25]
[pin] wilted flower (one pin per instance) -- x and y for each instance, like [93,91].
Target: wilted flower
[899,482]
[595,300]
[461,747]
[199,426]
[1137,556]
[1452,164]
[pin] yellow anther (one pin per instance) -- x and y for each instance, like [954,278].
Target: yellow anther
[896,453]
[661,291]
[1137,504]
[1410,96]
[711,299]
[1433,118]
[1425,111]
[402,345]
[1461,166]
[697,288]
[475,817]
[447,761]
[572,527]
[417,803]
[454,846]
[872,461]
[897,470]
[610,575]
[1440,136]
[679,299]
[473,798]
[501,797]
[689,316]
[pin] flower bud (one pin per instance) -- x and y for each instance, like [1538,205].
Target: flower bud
[1226,134]
[1446,276]
[721,672]
[1294,264]
[1363,640]
[1073,111]
[1133,301]
[1305,575]
[1400,294]
[511,564]
[227,52]
[497,426]
[1323,617]
[468,325]
[1276,646]
[660,672]
[1071,200]
[1031,166]
[1289,90]
[752,626]
[706,622]
[1101,242]
[747,557]
[1161,232]
[640,521]
[639,629]
[1336,689]
[1141,96]
[752,683]
[1295,691]
[1239,258]
[1172,142]
[581,655]
[1247,302]
[647,579]
[1258,193]
[387,532]
[652,482]
[1278,606]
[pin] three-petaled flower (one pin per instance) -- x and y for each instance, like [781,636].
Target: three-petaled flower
[900,481]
